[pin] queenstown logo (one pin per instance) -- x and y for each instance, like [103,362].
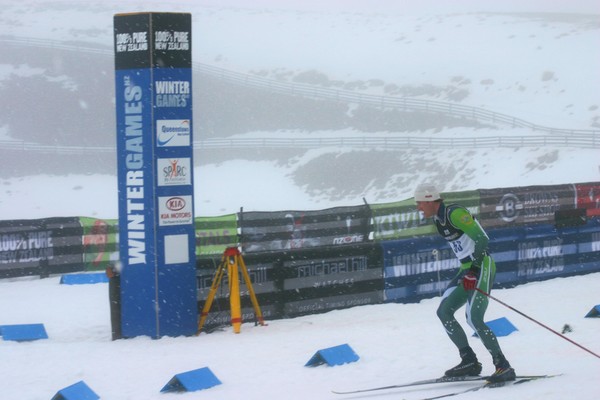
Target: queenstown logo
[173,132]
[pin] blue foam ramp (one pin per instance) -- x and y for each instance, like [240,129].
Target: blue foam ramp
[197,379]
[77,391]
[83,279]
[594,312]
[23,332]
[500,327]
[331,356]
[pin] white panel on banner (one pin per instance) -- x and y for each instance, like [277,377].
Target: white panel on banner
[176,249]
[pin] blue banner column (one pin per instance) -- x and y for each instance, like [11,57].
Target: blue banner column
[153,80]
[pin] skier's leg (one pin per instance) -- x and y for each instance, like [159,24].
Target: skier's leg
[454,298]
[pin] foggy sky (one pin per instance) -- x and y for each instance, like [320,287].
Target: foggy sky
[419,6]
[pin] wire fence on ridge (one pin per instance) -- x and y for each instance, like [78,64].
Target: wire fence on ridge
[559,137]
[370,142]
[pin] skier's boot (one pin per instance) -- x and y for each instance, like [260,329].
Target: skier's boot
[504,372]
[469,366]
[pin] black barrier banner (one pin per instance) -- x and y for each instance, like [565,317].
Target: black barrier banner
[263,277]
[524,205]
[326,280]
[299,283]
[402,219]
[287,230]
[23,244]
[43,246]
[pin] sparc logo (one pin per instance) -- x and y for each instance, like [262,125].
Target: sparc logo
[509,207]
[173,132]
[174,171]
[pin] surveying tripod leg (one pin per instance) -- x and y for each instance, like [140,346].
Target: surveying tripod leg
[211,295]
[234,294]
[257,310]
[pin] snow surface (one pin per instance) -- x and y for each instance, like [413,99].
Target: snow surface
[397,343]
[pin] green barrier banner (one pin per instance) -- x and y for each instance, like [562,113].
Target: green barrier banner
[215,234]
[99,243]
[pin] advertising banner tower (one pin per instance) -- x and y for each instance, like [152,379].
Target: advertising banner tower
[153,81]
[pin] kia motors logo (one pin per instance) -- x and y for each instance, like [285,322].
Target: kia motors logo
[175,210]
[175,203]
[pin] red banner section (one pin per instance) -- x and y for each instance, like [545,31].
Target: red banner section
[588,198]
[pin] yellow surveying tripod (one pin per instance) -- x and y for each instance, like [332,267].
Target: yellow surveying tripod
[233,261]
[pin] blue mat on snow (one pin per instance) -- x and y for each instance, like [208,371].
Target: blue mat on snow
[84,278]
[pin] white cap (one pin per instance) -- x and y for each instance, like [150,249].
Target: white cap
[426,192]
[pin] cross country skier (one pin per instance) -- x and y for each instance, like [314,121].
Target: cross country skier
[469,242]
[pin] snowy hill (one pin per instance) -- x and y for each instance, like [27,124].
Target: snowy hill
[530,60]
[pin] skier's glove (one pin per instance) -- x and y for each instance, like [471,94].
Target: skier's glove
[469,281]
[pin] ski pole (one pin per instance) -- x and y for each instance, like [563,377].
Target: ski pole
[537,322]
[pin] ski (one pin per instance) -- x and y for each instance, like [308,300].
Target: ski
[491,385]
[443,379]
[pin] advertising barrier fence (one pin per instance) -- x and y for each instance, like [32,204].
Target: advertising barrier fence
[265,281]
[525,205]
[422,267]
[299,282]
[304,262]
[40,247]
[331,278]
[284,230]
